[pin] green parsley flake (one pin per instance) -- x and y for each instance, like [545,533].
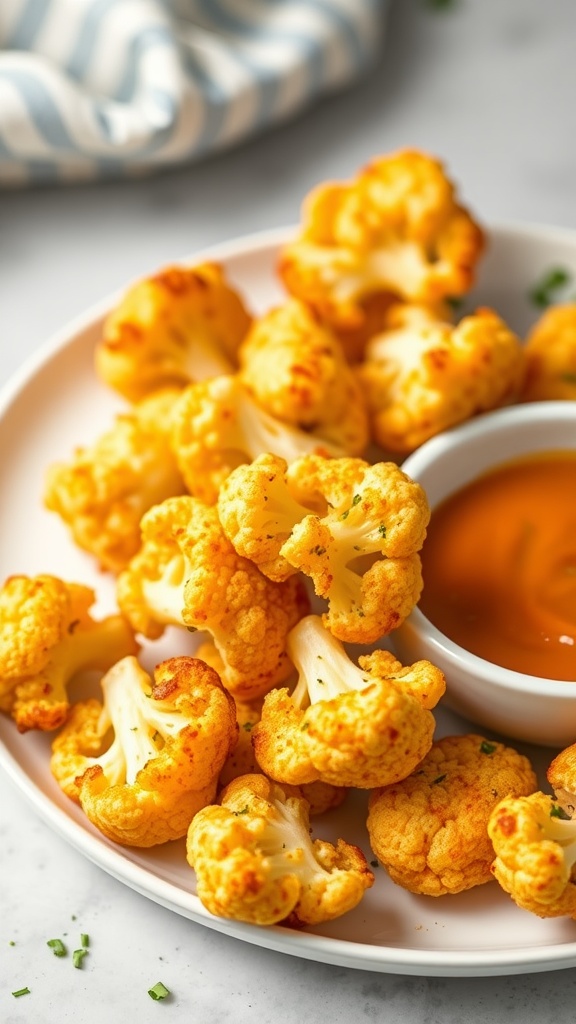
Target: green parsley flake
[57,947]
[544,292]
[21,992]
[248,726]
[487,748]
[85,940]
[439,779]
[558,812]
[158,991]
[382,530]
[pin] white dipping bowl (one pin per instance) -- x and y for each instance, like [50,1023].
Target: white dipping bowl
[513,704]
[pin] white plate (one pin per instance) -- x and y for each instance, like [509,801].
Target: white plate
[56,403]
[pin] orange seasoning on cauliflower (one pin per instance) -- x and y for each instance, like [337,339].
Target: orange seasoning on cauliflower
[255,860]
[180,325]
[397,229]
[328,518]
[430,829]
[146,760]
[47,638]
[347,725]
[551,356]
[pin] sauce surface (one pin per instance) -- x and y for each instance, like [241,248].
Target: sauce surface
[499,566]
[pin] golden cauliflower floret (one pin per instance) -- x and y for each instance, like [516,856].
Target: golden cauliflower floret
[180,325]
[218,425]
[320,796]
[296,369]
[328,518]
[534,840]
[255,860]
[187,573]
[424,375]
[146,760]
[430,830]
[106,488]
[551,356]
[397,229]
[47,638]
[361,726]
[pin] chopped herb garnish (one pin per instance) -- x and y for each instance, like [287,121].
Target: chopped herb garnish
[454,301]
[304,726]
[243,811]
[356,499]
[438,779]
[374,864]
[543,293]
[21,992]
[11,943]
[382,530]
[318,550]
[85,940]
[78,956]
[321,681]
[248,726]
[487,748]
[158,991]
[57,947]
[558,812]
[568,378]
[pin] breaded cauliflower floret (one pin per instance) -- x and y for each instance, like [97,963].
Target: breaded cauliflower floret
[187,573]
[328,518]
[346,725]
[397,229]
[534,840]
[181,325]
[146,760]
[297,371]
[104,491]
[218,426]
[47,637]
[424,375]
[255,861]
[551,356]
[321,796]
[430,830]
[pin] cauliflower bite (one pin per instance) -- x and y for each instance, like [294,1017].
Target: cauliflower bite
[320,796]
[255,861]
[397,229]
[187,573]
[182,324]
[328,518]
[218,426]
[146,760]
[534,840]
[424,375]
[297,371]
[551,356]
[346,725]
[430,830]
[47,637]
[104,491]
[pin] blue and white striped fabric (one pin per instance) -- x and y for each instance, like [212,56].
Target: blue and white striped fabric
[96,88]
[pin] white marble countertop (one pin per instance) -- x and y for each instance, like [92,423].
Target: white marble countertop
[490,87]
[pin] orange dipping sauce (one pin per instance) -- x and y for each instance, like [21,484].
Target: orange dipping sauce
[499,566]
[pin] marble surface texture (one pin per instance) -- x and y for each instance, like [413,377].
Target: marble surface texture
[488,85]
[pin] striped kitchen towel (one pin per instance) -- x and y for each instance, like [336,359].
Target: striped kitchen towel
[97,88]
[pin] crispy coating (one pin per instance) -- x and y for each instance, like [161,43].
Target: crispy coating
[106,488]
[551,356]
[424,375]
[187,573]
[430,830]
[255,861]
[535,845]
[297,371]
[561,775]
[218,425]
[48,637]
[328,518]
[144,762]
[346,725]
[397,230]
[180,325]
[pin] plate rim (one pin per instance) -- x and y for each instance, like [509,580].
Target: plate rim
[306,945]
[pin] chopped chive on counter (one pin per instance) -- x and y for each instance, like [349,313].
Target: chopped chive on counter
[11,943]
[544,292]
[78,956]
[85,940]
[158,991]
[57,947]
[21,992]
